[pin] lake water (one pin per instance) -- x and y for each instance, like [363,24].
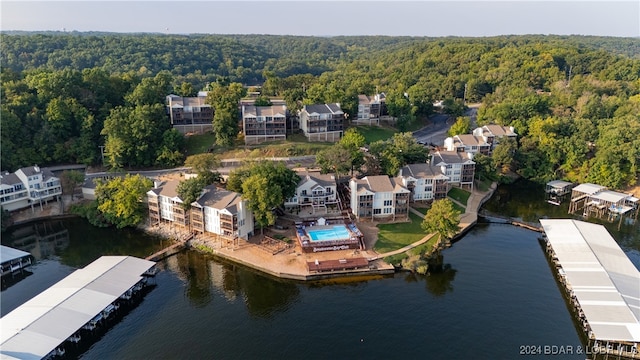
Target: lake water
[494,297]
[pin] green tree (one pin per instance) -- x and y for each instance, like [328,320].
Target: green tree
[442,218]
[262,196]
[200,163]
[70,180]
[461,126]
[120,200]
[224,99]
[189,190]
[336,159]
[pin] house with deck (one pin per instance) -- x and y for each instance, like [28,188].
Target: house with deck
[316,193]
[166,205]
[379,197]
[426,182]
[222,212]
[264,123]
[28,186]
[190,114]
[322,122]
[459,167]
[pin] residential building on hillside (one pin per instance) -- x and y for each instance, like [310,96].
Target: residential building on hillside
[190,114]
[425,181]
[459,167]
[264,123]
[222,212]
[315,191]
[166,205]
[370,108]
[492,133]
[322,122]
[378,197]
[28,186]
[467,143]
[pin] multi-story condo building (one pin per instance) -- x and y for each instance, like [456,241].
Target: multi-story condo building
[315,191]
[467,143]
[370,108]
[222,212]
[425,181]
[459,167]
[28,186]
[378,197]
[165,204]
[264,123]
[492,133]
[322,122]
[190,114]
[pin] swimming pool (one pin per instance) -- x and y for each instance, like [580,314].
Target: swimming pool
[336,232]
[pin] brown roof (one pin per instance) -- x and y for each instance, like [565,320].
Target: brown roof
[321,179]
[449,157]
[167,188]
[470,140]
[379,183]
[421,171]
[499,130]
[265,110]
[219,198]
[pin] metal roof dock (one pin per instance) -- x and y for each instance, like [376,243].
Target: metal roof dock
[42,324]
[601,281]
[13,259]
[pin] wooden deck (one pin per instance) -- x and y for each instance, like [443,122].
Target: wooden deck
[341,264]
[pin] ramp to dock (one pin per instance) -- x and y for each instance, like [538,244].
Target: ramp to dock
[600,276]
[41,324]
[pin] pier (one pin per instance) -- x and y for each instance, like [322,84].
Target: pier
[601,283]
[172,249]
[58,317]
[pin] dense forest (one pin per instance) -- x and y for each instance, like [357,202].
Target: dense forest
[573,100]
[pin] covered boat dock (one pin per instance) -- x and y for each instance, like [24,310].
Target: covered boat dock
[557,190]
[601,282]
[13,260]
[38,328]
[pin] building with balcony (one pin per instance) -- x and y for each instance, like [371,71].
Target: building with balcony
[190,114]
[370,109]
[222,212]
[322,122]
[379,197]
[316,192]
[492,134]
[166,206]
[467,143]
[28,186]
[459,167]
[264,123]
[425,181]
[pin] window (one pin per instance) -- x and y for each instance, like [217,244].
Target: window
[387,203]
[387,210]
[427,189]
[376,211]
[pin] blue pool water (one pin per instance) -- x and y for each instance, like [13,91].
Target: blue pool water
[337,233]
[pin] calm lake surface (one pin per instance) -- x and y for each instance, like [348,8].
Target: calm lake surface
[494,294]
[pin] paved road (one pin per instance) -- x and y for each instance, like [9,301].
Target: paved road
[436,132]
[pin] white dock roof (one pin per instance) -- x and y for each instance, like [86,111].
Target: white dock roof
[41,324]
[8,254]
[610,196]
[603,279]
[559,184]
[589,188]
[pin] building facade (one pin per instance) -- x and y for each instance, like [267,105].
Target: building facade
[370,109]
[315,191]
[264,123]
[467,143]
[222,212]
[165,204]
[492,133]
[379,197]
[459,167]
[425,181]
[28,186]
[322,122]
[190,114]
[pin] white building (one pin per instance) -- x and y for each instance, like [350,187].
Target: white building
[166,205]
[425,181]
[379,197]
[264,123]
[222,212]
[316,191]
[459,167]
[492,133]
[370,108]
[28,186]
[467,143]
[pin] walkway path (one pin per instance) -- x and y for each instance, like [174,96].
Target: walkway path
[468,219]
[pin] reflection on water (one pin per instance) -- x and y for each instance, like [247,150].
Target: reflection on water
[42,240]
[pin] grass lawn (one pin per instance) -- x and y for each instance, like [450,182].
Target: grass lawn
[422,209]
[375,133]
[459,208]
[200,143]
[426,247]
[458,194]
[394,236]
[483,185]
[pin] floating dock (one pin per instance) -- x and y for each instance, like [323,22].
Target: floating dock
[601,282]
[40,327]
